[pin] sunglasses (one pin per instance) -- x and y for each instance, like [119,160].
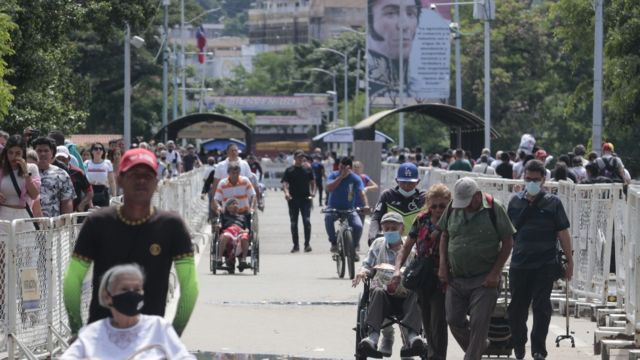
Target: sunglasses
[98,149]
[438,206]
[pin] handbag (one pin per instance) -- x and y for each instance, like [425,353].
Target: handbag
[26,206]
[420,274]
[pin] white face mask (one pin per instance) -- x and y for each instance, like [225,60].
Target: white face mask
[406,193]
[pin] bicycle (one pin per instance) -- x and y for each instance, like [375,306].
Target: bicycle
[346,246]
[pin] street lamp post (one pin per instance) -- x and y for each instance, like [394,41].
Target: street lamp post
[596,136]
[137,42]
[335,102]
[165,66]
[346,75]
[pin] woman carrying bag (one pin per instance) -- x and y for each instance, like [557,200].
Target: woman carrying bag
[431,293]
[19,182]
[100,175]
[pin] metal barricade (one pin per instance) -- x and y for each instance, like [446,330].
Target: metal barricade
[273,171]
[632,263]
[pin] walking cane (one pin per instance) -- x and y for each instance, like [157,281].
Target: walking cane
[567,335]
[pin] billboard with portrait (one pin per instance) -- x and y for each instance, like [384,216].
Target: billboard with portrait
[412,33]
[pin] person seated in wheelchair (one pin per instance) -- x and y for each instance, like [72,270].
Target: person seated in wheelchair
[234,231]
[386,300]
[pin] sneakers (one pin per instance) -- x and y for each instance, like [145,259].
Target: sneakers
[416,343]
[243,265]
[334,248]
[367,345]
[219,264]
[295,249]
[356,257]
[386,346]
[307,248]
[538,356]
[358,249]
[518,353]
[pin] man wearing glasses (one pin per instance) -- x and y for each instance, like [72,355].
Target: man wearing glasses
[541,225]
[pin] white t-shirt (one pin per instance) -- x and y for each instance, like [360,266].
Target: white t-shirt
[98,173]
[100,340]
[173,159]
[221,169]
[484,168]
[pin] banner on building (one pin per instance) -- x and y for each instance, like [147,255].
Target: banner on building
[424,49]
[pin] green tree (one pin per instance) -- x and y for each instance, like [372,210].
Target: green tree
[6,26]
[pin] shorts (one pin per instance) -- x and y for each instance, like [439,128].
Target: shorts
[235,232]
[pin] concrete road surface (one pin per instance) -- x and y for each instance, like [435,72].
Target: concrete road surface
[297,307]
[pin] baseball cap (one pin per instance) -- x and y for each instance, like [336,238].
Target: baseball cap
[298,153]
[391,217]
[62,150]
[463,192]
[607,146]
[231,201]
[541,154]
[407,172]
[136,157]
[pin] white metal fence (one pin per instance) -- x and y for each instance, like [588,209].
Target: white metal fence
[600,215]
[33,320]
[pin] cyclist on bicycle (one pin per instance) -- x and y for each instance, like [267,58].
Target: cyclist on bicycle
[343,187]
[405,199]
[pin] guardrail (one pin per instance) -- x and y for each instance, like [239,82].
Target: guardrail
[601,216]
[33,320]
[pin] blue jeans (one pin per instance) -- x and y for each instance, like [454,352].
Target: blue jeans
[354,222]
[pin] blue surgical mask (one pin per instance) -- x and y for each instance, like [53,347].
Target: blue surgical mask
[533,187]
[392,237]
[406,193]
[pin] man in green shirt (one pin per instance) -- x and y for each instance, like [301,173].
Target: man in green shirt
[476,242]
[460,164]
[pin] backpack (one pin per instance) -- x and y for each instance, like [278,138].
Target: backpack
[609,168]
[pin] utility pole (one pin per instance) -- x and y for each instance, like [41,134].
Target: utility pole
[165,67]
[458,66]
[127,88]
[401,82]
[596,138]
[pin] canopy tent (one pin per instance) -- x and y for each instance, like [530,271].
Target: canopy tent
[221,144]
[345,135]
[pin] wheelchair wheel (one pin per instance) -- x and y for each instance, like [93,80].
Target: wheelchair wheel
[214,253]
[361,326]
[339,258]
[255,255]
[347,243]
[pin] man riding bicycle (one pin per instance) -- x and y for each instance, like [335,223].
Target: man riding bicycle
[343,186]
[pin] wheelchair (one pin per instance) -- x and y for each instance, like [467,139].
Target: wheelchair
[362,329]
[253,253]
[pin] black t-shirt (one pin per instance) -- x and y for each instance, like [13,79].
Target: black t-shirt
[228,219]
[188,161]
[298,178]
[154,245]
[505,170]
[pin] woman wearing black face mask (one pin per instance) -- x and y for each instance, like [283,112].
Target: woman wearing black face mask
[127,333]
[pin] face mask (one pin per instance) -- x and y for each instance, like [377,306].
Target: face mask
[128,303]
[392,237]
[533,187]
[406,193]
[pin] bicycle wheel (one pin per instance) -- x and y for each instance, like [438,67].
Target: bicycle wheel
[347,243]
[339,257]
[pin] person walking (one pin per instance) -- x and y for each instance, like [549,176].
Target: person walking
[135,232]
[541,225]
[475,244]
[299,188]
[100,175]
[431,300]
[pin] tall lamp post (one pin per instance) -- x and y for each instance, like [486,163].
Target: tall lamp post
[137,41]
[596,136]
[165,66]
[335,102]
[346,75]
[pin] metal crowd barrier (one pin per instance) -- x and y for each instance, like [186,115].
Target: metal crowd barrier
[603,219]
[33,320]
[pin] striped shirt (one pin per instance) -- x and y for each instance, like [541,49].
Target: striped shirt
[242,191]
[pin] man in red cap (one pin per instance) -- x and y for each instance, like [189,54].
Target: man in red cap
[609,165]
[134,232]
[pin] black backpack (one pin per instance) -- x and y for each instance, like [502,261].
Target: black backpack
[610,169]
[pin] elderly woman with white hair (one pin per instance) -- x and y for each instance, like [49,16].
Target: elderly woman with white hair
[127,334]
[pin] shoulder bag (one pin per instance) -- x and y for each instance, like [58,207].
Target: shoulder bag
[26,206]
[420,273]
